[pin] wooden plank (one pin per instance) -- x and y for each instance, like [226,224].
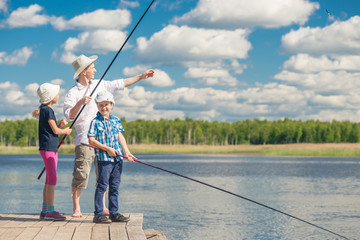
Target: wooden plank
[28,234]
[29,227]
[118,231]
[152,234]
[74,222]
[46,233]
[42,223]
[100,231]
[11,233]
[2,230]
[88,221]
[60,223]
[136,219]
[6,218]
[17,219]
[134,227]
[29,220]
[135,233]
[82,233]
[64,233]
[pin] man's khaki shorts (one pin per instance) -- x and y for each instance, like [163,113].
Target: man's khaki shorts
[84,156]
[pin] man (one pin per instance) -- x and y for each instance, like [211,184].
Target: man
[76,97]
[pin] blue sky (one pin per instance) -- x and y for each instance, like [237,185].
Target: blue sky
[223,60]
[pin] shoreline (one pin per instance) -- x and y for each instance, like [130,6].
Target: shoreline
[295,149]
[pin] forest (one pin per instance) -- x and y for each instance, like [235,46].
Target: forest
[200,132]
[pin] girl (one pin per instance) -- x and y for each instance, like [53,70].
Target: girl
[48,141]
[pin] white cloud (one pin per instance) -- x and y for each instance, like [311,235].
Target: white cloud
[136,70]
[3,6]
[233,14]
[137,103]
[99,41]
[339,115]
[15,97]
[31,89]
[237,67]
[160,79]
[18,102]
[173,45]
[98,19]
[57,81]
[12,95]
[272,93]
[326,68]
[219,72]
[9,85]
[331,82]
[130,4]
[323,74]
[307,63]
[176,103]
[337,38]
[209,103]
[27,17]
[333,101]
[66,57]
[210,76]
[271,101]
[18,57]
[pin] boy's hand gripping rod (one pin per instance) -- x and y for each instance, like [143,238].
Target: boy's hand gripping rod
[82,108]
[234,194]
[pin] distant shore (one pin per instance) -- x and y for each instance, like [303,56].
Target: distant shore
[301,149]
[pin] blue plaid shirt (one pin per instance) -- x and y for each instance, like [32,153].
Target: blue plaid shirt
[106,131]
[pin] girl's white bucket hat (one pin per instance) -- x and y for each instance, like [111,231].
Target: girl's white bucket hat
[82,62]
[47,92]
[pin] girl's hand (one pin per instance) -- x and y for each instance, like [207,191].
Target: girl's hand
[62,123]
[68,131]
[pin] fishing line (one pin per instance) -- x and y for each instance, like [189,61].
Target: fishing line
[234,194]
[102,77]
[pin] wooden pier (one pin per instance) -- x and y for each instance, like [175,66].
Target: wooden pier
[30,227]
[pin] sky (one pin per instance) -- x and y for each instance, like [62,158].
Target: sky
[214,60]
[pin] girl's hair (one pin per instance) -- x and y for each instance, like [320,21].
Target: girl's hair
[36,112]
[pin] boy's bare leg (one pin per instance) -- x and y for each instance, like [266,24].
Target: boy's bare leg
[76,192]
[105,209]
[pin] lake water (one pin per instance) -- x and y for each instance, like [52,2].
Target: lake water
[323,191]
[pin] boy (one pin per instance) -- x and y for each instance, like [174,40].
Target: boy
[105,133]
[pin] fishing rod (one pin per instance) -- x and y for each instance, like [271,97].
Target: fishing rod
[102,77]
[223,190]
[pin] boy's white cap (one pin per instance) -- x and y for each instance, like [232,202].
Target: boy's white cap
[105,96]
[82,62]
[47,92]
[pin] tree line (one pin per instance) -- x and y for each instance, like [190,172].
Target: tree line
[200,132]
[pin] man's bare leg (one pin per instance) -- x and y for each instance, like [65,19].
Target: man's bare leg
[76,192]
[105,209]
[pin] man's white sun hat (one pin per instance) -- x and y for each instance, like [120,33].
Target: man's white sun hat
[82,62]
[47,92]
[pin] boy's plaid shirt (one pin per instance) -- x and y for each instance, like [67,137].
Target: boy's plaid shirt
[106,131]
